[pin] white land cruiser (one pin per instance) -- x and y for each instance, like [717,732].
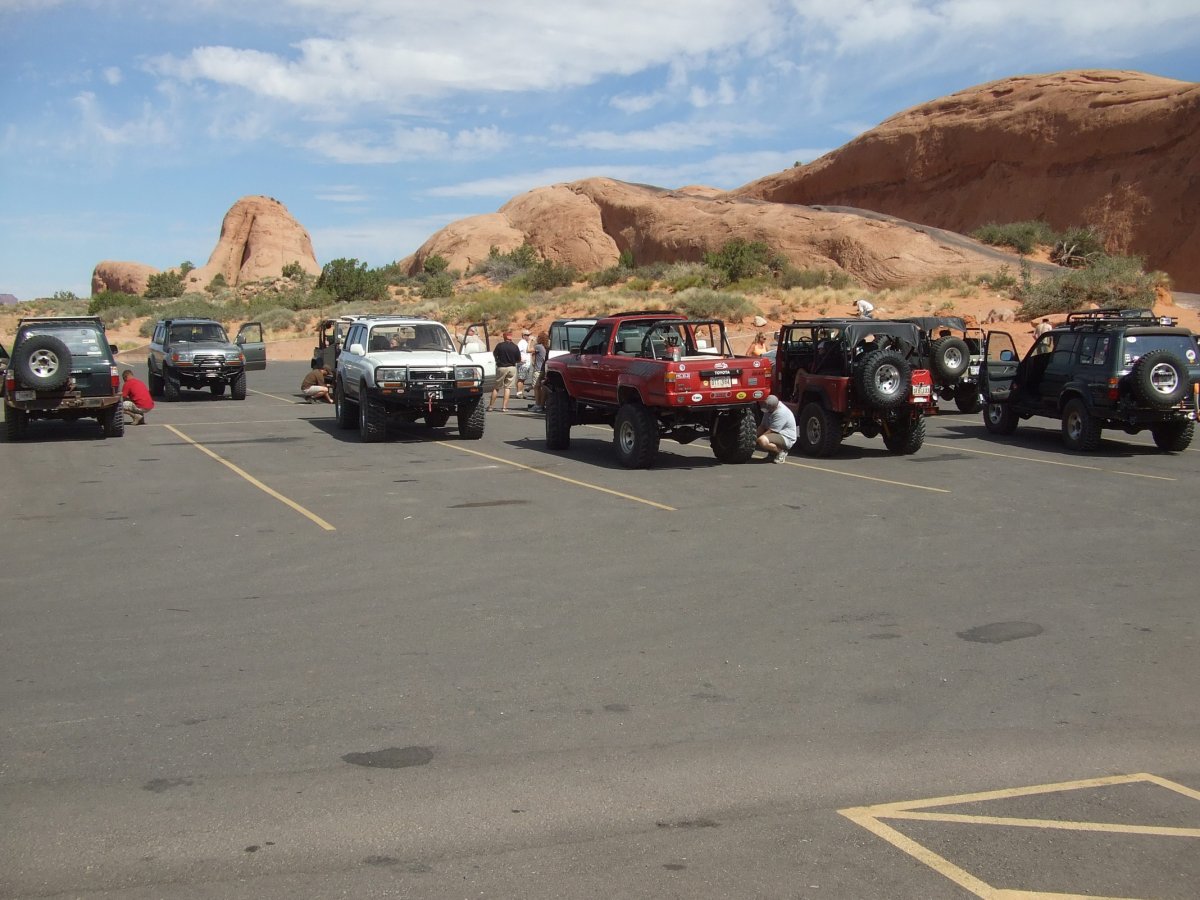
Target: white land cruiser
[405,368]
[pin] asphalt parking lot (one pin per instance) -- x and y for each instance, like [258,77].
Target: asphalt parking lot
[246,655]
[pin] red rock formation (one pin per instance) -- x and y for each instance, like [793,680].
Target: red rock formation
[258,238]
[1069,148]
[587,224]
[125,277]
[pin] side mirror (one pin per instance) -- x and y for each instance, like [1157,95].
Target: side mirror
[357,349]
[112,348]
[1007,356]
[241,338]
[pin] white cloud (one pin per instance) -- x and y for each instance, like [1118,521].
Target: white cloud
[112,75]
[379,241]
[667,137]
[342,193]
[407,144]
[96,124]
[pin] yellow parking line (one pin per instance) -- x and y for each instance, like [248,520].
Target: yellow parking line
[577,483]
[311,516]
[1051,462]
[1048,824]
[919,487]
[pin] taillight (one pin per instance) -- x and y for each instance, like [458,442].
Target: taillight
[115,378]
[1113,390]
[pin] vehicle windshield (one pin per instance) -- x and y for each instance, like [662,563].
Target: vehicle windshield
[409,338]
[199,333]
[1136,346]
[80,340]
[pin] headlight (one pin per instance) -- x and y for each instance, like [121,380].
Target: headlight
[468,373]
[235,360]
[182,356]
[392,373]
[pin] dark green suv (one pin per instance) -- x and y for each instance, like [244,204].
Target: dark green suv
[62,367]
[1104,368]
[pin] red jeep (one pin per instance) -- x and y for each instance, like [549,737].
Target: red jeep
[846,375]
[656,374]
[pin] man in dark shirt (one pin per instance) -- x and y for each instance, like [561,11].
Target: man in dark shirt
[135,398]
[508,357]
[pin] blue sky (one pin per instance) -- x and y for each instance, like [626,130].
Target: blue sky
[131,126]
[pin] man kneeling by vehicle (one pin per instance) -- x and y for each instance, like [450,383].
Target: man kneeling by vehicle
[777,431]
[135,398]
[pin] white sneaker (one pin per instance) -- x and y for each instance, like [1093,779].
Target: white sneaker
[780,456]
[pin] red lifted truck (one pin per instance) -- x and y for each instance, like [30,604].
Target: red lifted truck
[652,375]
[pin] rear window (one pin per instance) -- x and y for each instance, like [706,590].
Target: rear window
[80,340]
[1136,346]
[568,337]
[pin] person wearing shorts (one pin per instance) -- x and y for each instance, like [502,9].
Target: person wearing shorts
[777,432]
[508,357]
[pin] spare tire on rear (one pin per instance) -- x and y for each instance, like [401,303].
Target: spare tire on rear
[949,358]
[1160,379]
[42,362]
[883,379]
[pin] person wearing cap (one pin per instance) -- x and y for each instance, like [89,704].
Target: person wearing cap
[508,357]
[523,367]
[777,431]
[864,308]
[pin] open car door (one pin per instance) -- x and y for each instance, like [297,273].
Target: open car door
[250,339]
[476,344]
[999,366]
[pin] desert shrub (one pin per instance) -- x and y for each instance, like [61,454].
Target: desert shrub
[348,281]
[546,275]
[606,277]
[503,266]
[654,271]
[739,259]
[118,315]
[164,284]
[705,303]
[940,283]
[147,328]
[277,319]
[625,259]
[1000,280]
[1109,281]
[117,300]
[1078,247]
[1024,237]
[495,306]
[640,284]
[217,284]
[839,280]
[805,279]
[191,306]
[683,275]
[64,296]
[293,270]
[436,264]
[440,284]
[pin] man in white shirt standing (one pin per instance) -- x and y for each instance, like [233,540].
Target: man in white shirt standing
[523,368]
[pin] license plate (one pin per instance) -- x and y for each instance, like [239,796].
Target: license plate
[433,395]
[25,395]
[920,390]
[974,370]
[720,381]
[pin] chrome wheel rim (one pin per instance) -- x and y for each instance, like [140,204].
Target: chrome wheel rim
[887,379]
[43,363]
[1164,379]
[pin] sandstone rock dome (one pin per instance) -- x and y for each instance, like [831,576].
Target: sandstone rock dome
[258,238]
[1059,147]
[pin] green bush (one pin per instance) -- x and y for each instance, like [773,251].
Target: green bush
[546,276]
[705,303]
[440,284]
[1110,281]
[118,315]
[683,275]
[185,267]
[1000,280]
[191,306]
[606,277]
[277,319]
[497,307]
[1024,237]
[811,279]
[436,264]
[117,300]
[350,281]
[64,296]
[739,259]
[217,284]
[147,328]
[625,260]
[1078,247]
[164,284]
[640,284]
[292,271]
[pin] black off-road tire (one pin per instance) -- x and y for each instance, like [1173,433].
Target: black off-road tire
[883,379]
[558,419]
[237,387]
[41,362]
[635,436]
[820,431]
[1173,437]
[343,410]
[1080,431]
[112,421]
[16,421]
[966,398]
[905,438]
[217,389]
[372,419]
[1160,379]
[154,383]
[734,436]
[437,419]
[950,357]
[998,418]
[170,387]
[472,418]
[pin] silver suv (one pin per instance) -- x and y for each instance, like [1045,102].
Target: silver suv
[405,368]
[196,353]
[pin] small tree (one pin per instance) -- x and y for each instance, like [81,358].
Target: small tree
[165,284]
[185,267]
[436,264]
[739,259]
[218,283]
[293,270]
[350,281]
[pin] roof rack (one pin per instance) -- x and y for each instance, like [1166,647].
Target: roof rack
[1117,314]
